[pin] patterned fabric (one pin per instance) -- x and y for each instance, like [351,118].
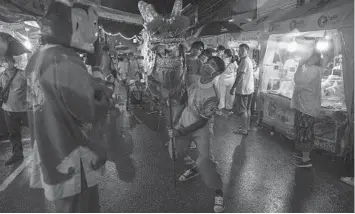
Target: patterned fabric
[203,102]
[63,116]
[304,131]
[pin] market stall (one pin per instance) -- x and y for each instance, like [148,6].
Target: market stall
[329,29]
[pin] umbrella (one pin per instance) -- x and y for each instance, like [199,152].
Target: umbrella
[219,27]
[15,47]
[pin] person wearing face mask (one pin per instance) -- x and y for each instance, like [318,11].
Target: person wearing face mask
[220,51]
[225,82]
[14,105]
[193,124]
[206,55]
[66,102]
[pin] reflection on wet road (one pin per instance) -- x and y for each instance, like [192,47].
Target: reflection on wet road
[257,171]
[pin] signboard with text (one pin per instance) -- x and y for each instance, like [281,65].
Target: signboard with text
[331,19]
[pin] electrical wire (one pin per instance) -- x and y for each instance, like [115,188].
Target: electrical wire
[118,34]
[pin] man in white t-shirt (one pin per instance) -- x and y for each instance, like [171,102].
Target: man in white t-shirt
[244,89]
[193,124]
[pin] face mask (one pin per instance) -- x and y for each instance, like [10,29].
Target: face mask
[226,61]
[2,69]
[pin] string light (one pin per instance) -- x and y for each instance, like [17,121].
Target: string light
[118,34]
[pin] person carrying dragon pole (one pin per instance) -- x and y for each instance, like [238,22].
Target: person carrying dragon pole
[164,62]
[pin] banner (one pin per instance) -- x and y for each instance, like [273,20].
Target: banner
[331,19]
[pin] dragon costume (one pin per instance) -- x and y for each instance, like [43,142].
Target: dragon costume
[164,53]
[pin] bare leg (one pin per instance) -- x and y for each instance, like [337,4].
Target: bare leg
[244,118]
[249,119]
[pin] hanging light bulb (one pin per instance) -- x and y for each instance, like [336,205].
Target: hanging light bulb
[322,45]
[292,47]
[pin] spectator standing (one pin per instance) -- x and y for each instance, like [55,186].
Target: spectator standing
[206,55]
[244,89]
[13,86]
[220,51]
[226,81]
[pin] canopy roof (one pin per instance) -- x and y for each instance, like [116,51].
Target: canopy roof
[319,15]
[262,23]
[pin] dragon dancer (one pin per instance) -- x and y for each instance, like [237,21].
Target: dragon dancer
[193,124]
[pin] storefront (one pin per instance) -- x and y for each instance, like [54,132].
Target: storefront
[330,31]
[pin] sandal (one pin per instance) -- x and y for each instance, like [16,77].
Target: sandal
[348,180]
[241,131]
[188,174]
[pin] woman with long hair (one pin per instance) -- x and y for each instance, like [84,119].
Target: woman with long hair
[225,82]
[306,101]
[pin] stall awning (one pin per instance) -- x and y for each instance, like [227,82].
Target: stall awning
[217,28]
[323,16]
[262,23]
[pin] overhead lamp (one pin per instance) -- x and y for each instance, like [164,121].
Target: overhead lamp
[322,45]
[292,47]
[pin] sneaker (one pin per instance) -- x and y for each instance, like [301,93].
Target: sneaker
[218,204]
[188,160]
[303,164]
[14,159]
[188,174]
[298,155]
[348,180]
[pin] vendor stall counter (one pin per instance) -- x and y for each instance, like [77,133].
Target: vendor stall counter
[283,55]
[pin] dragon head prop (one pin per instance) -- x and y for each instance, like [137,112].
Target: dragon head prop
[163,49]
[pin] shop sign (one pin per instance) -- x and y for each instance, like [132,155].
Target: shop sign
[261,19]
[325,20]
[274,27]
[297,24]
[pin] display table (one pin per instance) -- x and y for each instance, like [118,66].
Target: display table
[277,114]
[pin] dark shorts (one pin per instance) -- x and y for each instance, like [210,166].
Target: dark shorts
[243,103]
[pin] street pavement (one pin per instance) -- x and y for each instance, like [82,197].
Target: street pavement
[257,171]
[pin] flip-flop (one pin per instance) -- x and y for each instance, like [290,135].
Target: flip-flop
[348,180]
[241,132]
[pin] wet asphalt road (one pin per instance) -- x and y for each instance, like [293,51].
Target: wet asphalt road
[257,171]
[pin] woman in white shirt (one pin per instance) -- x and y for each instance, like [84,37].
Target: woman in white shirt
[226,81]
[306,101]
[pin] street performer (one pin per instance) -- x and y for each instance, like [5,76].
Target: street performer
[193,124]
[66,103]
